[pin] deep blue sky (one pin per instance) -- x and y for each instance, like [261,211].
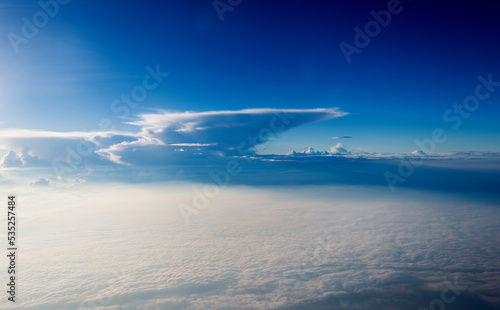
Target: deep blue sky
[264,54]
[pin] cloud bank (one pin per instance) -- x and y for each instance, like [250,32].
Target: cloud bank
[127,247]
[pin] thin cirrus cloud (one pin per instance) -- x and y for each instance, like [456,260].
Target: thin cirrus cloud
[342,137]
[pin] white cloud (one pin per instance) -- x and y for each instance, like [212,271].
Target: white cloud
[194,144]
[342,137]
[218,132]
[157,149]
[215,131]
[11,159]
[200,121]
[309,151]
[14,133]
[41,182]
[338,149]
[418,153]
[302,247]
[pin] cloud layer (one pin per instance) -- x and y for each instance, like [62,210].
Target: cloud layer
[127,247]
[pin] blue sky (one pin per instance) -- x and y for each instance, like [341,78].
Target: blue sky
[262,55]
[179,85]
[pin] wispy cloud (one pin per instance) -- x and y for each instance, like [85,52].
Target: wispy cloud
[200,121]
[342,137]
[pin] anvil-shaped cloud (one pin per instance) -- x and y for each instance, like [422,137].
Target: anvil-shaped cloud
[193,146]
[162,134]
[209,133]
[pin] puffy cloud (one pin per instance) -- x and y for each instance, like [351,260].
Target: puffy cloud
[53,146]
[41,182]
[11,159]
[30,159]
[310,151]
[311,247]
[338,149]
